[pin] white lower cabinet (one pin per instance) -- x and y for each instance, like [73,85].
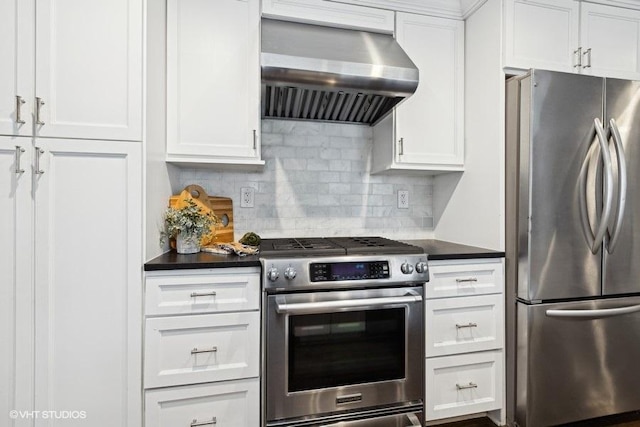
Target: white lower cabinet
[464,341]
[198,349]
[463,384]
[70,282]
[229,403]
[202,347]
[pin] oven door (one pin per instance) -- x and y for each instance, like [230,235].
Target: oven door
[342,351]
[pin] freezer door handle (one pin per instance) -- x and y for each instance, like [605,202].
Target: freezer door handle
[622,184]
[594,314]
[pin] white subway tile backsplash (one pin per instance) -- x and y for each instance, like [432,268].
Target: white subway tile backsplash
[316,182]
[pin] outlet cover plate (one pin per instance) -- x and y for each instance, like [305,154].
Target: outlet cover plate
[246,197]
[403,199]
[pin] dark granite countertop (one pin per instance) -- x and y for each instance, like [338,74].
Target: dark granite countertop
[443,250]
[436,249]
[173,261]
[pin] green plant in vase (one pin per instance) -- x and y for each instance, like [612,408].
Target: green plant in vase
[187,225]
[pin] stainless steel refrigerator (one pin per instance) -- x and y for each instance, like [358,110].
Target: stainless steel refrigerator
[573,247]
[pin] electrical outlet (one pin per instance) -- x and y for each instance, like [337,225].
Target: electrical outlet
[246,197]
[403,199]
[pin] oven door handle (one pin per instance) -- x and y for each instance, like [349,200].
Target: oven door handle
[342,305]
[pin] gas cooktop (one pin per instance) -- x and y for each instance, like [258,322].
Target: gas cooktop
[334,246]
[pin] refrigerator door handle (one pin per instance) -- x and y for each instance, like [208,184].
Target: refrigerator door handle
[608,186]
[585,221]
[622,185]
[593,314]
[595,240]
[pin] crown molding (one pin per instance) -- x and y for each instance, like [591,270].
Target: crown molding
[455,9]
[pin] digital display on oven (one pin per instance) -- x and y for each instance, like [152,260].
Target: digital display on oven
[339,271]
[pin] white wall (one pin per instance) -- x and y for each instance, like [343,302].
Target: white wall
[469,207]
[317,182]
[159,175]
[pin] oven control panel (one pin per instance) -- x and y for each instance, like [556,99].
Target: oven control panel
[339,271]
[284,274]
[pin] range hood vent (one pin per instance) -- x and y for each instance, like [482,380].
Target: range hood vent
[311,72]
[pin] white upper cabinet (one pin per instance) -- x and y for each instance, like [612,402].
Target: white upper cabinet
[213,82]
[425,132]
[572,36]
[610,40]
[330,13]
[16,66]
[541,34]
[86,61]
[89,69]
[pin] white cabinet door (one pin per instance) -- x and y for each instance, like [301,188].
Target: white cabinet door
[228,403]
[213,81]
[426,131]
[15,276]
[88,290]
[462,325]
[197,291]
[610,40]
[463,384]
[16,66]
[541,34]
[89,68]
[203,348]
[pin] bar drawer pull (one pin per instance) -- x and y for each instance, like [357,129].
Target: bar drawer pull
[467,280]
[468,325]
[466,386]
[19,151]
[196,423]
[19,103]
[203,294]
[196,350]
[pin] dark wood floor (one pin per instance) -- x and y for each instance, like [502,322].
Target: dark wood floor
[626,420]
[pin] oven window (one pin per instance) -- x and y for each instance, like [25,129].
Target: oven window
[335,349]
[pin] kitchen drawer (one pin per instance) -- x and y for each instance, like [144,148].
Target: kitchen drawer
[198,349]
[463,384]
[230,403]
[456,278]
[462,325]
[202,291]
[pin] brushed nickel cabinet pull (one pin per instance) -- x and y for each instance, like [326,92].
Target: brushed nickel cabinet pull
[19,150]
[19,103]
[468,325]
[255,139]
[401,146]
[39,152]
[466,386]
[208,350]
[39,104]
[196,423]
[587,53]
[578,54]
[469,279]
[203,294]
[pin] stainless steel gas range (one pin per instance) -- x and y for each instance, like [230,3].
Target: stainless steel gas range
[344,332]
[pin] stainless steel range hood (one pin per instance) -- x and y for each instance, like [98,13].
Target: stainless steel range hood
[311,72]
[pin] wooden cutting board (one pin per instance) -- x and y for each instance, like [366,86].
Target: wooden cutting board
[221,206]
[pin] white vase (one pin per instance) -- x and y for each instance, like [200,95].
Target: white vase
[187,243]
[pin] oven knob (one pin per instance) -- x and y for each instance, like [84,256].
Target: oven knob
[406,268]
[421,267]
[290,273]
[273,274]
